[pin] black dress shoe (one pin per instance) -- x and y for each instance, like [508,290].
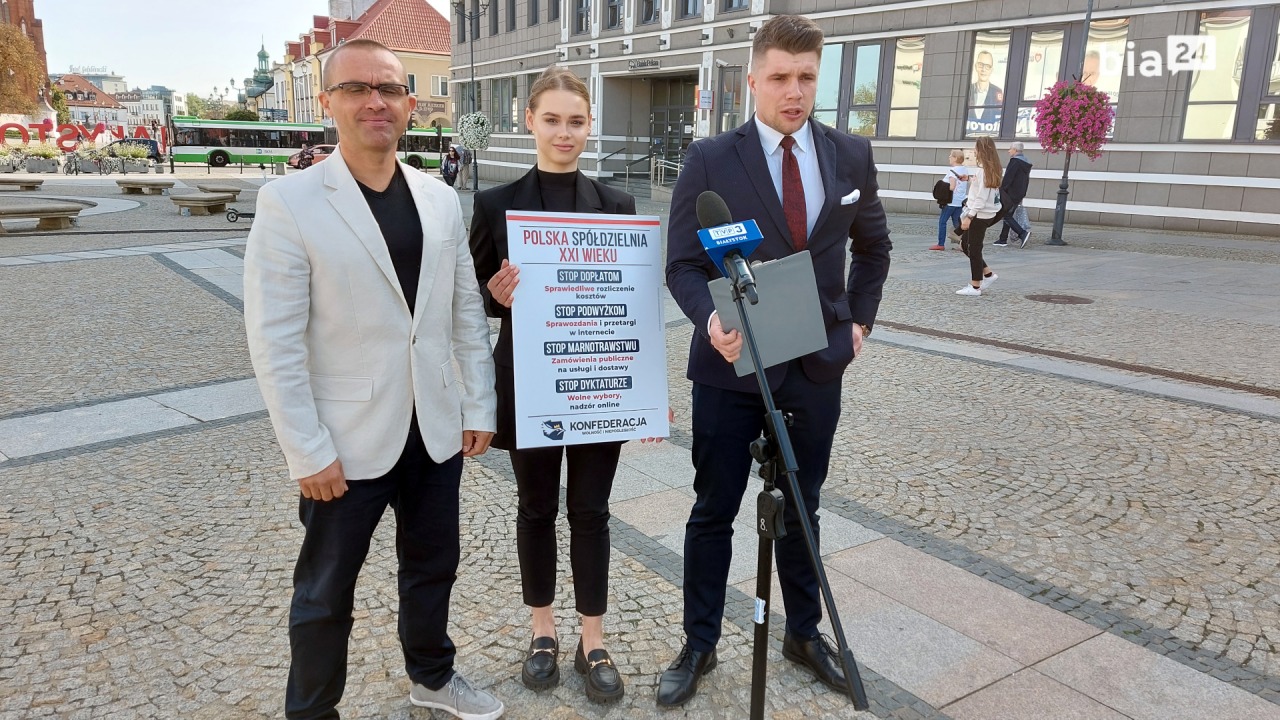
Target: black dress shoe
[541,670]
[680,681]
[817,655]
[604,684]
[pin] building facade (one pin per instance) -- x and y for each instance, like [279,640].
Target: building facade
[1194,148]
[89,104]
[143,110]
[22,15]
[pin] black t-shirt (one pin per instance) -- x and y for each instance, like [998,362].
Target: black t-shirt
[397,217]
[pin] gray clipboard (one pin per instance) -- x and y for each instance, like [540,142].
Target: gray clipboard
[788,319]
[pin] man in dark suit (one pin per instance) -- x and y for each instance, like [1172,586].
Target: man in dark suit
[797,178]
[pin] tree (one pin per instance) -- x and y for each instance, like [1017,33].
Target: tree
[242,114]
[59,103]
[20,72]
[215,109]
[195,105]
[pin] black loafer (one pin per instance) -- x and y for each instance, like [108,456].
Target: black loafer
[541,669]
[680,681]
[604,683]
[818,656]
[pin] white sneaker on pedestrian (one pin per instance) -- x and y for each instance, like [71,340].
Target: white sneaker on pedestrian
[459,699]
[969,290]
[1025,238]
[986,281]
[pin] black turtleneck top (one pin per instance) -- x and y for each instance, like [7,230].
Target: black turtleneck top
[559,190]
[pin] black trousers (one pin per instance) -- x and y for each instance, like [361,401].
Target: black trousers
[424,496]
[724,424]
[971,243]
[591,471]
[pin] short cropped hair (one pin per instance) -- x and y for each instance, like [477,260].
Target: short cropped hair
[794,34]
[357,44]
[1017,145]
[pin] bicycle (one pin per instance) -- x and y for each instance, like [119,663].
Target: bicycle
[72,166]
[108,165]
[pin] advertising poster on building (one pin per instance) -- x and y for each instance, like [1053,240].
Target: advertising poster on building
[987,82]
[589,343]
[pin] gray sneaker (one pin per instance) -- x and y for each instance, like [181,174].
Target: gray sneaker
[459,699]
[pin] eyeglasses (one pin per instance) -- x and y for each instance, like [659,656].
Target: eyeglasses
[980,66]
[391,91]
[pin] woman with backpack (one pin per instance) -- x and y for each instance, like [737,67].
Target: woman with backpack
[981,211]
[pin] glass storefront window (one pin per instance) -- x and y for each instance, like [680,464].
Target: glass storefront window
[828,98]
[1214,94]
[986,83]
[864,90]
[904,95]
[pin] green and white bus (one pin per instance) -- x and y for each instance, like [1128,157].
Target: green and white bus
[222,142]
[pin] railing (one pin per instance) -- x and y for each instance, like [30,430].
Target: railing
[637,161]
[663,166]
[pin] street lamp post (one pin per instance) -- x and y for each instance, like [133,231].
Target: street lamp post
[1060,210]
[467,19]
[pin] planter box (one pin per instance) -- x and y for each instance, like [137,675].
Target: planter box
[136,166]
[6,165]
[42,165]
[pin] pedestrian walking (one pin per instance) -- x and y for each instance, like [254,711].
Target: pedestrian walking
[360,301]
[464,167]
[980,212]
[957,184]
[1013,190]
[449,166]
[559,117]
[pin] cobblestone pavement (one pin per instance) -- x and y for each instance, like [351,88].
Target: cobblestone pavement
[150,577]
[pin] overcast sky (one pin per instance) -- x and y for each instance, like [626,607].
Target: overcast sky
[187,46]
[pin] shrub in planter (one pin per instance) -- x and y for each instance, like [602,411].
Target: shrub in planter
[42,157]
[133,156]
[6,159]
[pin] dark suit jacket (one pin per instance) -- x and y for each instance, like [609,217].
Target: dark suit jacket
[489,249]
[733,165]
[1017,175]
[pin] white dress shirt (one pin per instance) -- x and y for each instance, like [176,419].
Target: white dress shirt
[806,158]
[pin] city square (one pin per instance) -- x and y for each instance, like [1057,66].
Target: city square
[1034,509]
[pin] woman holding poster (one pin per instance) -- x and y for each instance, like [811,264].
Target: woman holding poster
[559,117]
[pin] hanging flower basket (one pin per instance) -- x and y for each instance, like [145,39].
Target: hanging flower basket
[1074,118]
[474,129]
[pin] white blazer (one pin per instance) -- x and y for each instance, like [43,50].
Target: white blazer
[339,359]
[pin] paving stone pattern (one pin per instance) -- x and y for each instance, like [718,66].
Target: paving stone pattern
[76,331]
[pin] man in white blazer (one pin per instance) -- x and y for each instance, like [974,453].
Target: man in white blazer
[370,344]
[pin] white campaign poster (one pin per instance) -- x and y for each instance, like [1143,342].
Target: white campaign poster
[589,343]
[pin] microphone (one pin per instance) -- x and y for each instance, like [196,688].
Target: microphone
[728,243]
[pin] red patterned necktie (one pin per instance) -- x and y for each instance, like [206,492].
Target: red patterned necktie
[793,203]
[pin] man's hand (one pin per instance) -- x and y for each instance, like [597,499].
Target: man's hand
[728,344]
[857,339]
[475,442]
[328,484]
[964,222]
[503,284]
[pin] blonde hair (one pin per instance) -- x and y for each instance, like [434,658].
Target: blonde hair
[989,161]
[557,77]
[958,156]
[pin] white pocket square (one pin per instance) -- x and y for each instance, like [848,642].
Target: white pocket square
[851,198]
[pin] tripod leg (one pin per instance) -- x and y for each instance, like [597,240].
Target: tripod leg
[852,678]
[760,646]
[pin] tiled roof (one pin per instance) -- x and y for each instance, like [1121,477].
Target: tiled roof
[69,84]
[407,25]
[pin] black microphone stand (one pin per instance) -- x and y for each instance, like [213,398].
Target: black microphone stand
[774,452]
